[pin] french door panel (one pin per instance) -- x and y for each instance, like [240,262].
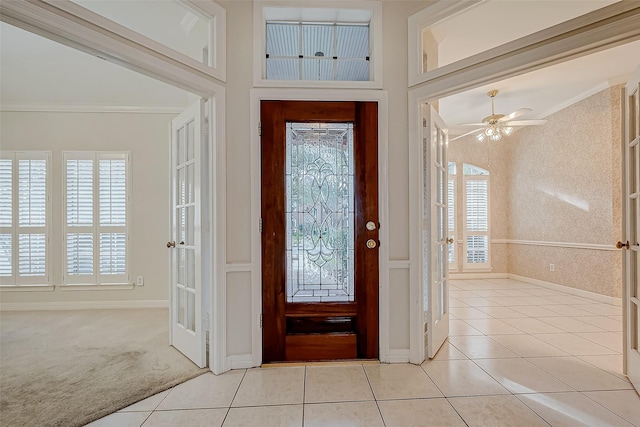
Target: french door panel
[319,193]
[632,224]
[187,332]
[435,230]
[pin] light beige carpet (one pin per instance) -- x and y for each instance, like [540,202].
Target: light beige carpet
[67,368]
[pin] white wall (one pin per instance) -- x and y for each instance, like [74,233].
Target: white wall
[146,136]
[239,83]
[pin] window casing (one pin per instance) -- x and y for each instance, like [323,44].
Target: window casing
[288,61]
[96,218]
[24,218]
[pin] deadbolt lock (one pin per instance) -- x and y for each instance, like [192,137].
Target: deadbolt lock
[621,245]
[371,226]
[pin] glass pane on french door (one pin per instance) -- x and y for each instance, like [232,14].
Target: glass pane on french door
[185,211]
[320,212]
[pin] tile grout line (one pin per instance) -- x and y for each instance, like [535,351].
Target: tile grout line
[234,397]
[375,399]
[304,393]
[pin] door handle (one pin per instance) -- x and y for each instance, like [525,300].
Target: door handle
[450,240]
[621,245]
[371,244]
[171,244]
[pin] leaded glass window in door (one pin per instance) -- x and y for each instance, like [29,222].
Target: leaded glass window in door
[320,212]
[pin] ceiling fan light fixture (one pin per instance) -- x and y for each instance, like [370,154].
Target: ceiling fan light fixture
[481,136]
[496,137]
[507,130]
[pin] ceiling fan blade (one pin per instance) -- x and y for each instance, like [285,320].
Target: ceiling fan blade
[465,134]
[515,114]
[527,122]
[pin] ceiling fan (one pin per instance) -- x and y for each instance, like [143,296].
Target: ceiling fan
[495,126]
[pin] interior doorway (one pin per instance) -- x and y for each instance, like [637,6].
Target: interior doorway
[320,222]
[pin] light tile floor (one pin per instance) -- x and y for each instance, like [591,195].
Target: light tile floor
[518,355]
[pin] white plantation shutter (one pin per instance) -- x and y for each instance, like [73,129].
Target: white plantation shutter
[6,192]
[6,215]
[477,205]
[24,218]
[32,254]
[113,192]
[32,192]
[6,259]
[112,188]
[80,254]
[96,218]
[476,219]
[79,184]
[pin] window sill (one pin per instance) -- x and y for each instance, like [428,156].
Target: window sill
[97,287]
[27,288]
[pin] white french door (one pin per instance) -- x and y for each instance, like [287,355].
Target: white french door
[187,147]
[435,229]
[631,255]
[429,187]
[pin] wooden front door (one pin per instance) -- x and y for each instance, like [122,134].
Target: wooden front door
[319,230]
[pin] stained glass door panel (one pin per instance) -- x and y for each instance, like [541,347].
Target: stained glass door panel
[320,212]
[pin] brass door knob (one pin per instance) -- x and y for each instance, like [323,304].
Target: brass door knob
[371,243]
[621,245]
[171,244]
[450,240]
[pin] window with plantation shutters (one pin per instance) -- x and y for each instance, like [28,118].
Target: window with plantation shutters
[24,218]
[476,218]
[96,212]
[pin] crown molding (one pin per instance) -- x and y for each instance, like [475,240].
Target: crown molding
[66,108]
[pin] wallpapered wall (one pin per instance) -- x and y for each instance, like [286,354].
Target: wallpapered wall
[558,183]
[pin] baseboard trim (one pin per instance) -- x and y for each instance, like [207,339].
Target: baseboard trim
[396,356]
[82,305]
[478,275]
[240,361]
[569,290]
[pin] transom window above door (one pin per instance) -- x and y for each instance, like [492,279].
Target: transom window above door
[338,45]
[317,51]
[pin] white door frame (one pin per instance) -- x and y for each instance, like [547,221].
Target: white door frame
[378,96]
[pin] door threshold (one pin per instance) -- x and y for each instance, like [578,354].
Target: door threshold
[353,362]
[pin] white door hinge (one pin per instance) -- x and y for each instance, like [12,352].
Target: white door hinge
[205,128]
[261,321]
[205,322]
[260,225]
[259,128]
